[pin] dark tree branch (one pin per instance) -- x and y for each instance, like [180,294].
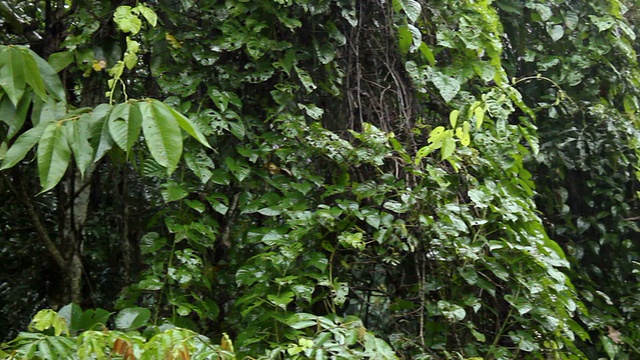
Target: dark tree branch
[25,198]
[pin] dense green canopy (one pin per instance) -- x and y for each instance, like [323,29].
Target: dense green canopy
[319,179]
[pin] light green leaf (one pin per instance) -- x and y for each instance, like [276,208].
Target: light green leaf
[404,39]
[131,56]
[448,146]
[478,113]
[453,117]
[148,14]
[44,350]
[126,20]
[478,335]
[53,156]
[162,135]
[426,52]
[23,144]
[412,8]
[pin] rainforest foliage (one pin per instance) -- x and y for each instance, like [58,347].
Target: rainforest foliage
[328,179]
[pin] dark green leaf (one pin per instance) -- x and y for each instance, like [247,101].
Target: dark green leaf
[60,60]
[78,135]
[162,135]
[12,116]
[12,73]
[132,318]
[22,145]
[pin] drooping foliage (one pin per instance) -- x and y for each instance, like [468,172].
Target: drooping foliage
[320,178]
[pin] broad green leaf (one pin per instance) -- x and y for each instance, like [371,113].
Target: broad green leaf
[130,56]
[448,146]
[134,127]
[478,113]
[53,156]
[32,75]
[405,39]
[200,164]
[12,116]
[101,139]
[305,79]
[118,124]
[173,191]
[416,38]
[426,52]
[556,32]
[72,313]
[237,129]
[447,86]
[43,320]
[312,110]
[132,318]
[465,138]
[453,117]
[281,300]
[412,8]
[60,60]
[479,336]
[603,23]
[219,98]
[126,20]
[162,135]
[571,19]
[12,73]
[78,135]
[22,145]
[185,124]
[519,303]
[238,168]
[52,82]
[148,14]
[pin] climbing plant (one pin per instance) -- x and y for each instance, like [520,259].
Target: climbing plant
[323,178]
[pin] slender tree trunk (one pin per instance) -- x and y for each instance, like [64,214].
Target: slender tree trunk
[76,191]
